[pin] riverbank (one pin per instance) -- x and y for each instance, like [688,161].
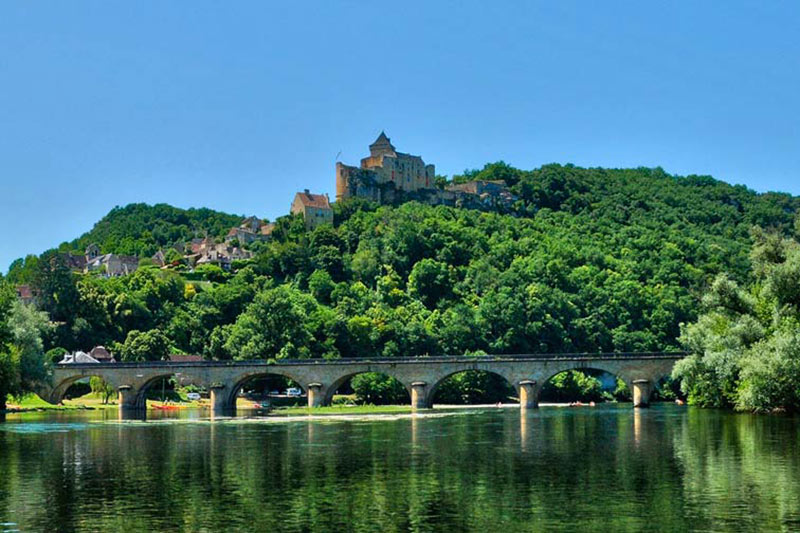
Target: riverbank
[32,403]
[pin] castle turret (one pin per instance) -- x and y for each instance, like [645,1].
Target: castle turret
[382,146]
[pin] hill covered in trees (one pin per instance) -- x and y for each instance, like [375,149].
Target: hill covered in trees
[588,260]
[141,229]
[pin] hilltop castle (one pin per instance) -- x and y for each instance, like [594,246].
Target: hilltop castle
[384,166]
[388,176]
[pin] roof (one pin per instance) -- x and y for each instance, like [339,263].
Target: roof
[25,292]
[309,199]
[78,357]
[382,139]
[267,229]
[75,262]
[199,244]
[101,354]
[381,144]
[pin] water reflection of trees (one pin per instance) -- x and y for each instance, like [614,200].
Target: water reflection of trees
[582,469]
[750,463]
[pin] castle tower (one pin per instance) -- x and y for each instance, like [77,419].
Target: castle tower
[382,146]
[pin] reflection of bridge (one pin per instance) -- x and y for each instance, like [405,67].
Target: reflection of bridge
[320,378]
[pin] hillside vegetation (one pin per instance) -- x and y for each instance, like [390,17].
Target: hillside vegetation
[589,260]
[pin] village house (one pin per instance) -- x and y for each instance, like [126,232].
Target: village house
[26,294]
[98,354]
[159,259]
[207,252]
[315,208]
[250,230]
[76,263]
[112,265]
[490,193]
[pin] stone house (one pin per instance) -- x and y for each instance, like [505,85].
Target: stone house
[251,229]
[490,193]
[113,265]
[207,252]
[315,208]
[98,354]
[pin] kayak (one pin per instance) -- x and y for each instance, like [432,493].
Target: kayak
[166,407]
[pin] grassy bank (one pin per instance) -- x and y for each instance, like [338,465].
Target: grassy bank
[32,402]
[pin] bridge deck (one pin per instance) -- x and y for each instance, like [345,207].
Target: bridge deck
[605,356]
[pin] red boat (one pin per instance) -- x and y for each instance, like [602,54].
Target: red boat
[166,407]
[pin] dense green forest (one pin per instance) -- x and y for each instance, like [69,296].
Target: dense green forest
[588,260]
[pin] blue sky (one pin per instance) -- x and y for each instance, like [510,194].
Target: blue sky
[237,105]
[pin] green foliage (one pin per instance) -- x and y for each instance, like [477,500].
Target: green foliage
[745,346]
[101,388]
[373,388]
[150,345]
[499,171]
[141,230]
[22,361]
[9,373]
[28,327]
[321,286]
[473,387]
[430,282]
[588,260]
[572,386]
[276,325]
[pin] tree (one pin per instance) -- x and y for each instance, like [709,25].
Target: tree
[150,345]
[744,348]
[9,373]
[28,327]
[101,388]
[474,387]
[321,286]
[22,360]
[373,388]
[58,295]
[430,282]
[273,326]
[9,355]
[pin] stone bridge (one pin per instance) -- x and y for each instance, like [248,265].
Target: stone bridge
[321,378]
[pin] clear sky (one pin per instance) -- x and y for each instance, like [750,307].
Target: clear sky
[237,105]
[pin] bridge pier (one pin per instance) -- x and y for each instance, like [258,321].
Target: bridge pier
[642,389]
[418,396]
[219,400]
[528,394]
[315,396]
[127,398]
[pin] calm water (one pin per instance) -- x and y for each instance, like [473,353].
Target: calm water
[554,469]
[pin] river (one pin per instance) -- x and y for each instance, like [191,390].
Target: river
[608,468]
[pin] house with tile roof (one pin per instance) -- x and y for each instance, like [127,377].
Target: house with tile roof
[250,230]
[315,208]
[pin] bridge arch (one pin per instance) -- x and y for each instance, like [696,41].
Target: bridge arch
[55,395]
[243,379]
[640,377]
[436,386]
[140,389]
[339,382]
[592,372]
